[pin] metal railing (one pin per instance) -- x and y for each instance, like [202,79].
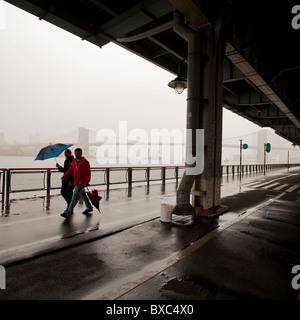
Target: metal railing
[254,168]
[32,180]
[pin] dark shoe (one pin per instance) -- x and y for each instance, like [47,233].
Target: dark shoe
[66,214]
[87,211]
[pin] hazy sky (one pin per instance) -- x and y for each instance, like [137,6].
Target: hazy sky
[52,82]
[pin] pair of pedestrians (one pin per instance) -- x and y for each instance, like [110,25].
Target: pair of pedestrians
[80,169]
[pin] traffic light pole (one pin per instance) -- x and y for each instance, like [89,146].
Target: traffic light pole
[265,153]
[241,151]
[267,148]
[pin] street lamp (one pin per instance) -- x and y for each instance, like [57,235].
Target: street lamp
[179,83]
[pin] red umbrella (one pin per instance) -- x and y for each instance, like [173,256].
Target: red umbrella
[94,198]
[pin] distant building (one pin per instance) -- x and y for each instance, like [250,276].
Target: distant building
[2,139]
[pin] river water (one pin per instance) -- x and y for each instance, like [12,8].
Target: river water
[29,162]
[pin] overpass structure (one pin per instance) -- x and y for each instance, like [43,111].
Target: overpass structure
[242,55]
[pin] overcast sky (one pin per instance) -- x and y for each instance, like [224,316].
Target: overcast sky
[52,82]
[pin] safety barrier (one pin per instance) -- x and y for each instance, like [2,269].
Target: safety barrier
[31,180]
[252,168]
[20,180]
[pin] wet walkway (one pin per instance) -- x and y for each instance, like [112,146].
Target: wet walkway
[127,253]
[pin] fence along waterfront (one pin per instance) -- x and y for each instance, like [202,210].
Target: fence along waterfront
[19,180]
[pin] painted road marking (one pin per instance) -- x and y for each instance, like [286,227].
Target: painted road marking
[272,185]
[121,287]
[291,189]
[281,187]
[260,185]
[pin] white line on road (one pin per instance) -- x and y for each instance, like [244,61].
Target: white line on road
[260,185]
[117,204]
[291,189]
[121,287]
[271,185]
[281,187]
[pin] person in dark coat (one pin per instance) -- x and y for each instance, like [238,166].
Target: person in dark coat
[80,168]
[67,185]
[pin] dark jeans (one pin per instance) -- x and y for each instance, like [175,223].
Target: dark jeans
[77,194]
[67,192]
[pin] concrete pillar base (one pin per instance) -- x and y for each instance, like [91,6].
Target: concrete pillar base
[214,211]
[184,209]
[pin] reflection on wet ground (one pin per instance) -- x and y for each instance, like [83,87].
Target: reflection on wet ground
[231,184]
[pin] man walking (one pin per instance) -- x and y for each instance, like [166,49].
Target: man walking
[67,185]
[81,170]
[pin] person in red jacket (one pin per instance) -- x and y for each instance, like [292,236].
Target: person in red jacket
[81,170]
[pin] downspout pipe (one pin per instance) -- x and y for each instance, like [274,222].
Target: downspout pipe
[183,206]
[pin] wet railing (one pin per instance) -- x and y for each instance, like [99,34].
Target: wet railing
[33,180]
[253,168]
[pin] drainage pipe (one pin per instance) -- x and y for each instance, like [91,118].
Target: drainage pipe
[183,206]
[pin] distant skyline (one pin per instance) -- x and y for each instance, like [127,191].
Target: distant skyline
[52,83]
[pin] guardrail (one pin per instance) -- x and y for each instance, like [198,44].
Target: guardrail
[20,180]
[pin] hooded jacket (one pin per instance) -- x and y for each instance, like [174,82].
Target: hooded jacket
[81,170]
[65,168]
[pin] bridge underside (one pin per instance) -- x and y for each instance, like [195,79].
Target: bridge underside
[238,54]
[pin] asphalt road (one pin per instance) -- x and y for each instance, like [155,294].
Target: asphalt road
[246,253]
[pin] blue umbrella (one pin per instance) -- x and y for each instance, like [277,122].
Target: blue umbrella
[52,151]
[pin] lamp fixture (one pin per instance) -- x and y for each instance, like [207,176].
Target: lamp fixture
[179,83]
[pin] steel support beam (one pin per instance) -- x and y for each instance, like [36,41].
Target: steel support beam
[192,12]
[204,111]
[207,188]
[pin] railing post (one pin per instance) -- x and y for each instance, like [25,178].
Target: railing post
[3,185]
[48,184]
[163,178]
[129,171]
[7,187]
[176,175]
[129,174]
[148,176]
[107,173]
[163,175]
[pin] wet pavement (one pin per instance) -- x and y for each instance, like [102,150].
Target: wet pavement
[127,253]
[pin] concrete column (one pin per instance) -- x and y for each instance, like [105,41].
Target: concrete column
[204,111]
[262,138]
[207,187]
